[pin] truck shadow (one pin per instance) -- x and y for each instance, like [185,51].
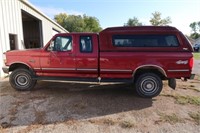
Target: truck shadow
[52,102]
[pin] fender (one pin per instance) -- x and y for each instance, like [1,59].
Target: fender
[160,69]
[13,63]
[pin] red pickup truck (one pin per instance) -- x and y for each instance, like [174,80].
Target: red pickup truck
[144,55]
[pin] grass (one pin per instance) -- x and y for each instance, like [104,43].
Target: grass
[196,89]
[172,119]
[105,121]
[188,100]
[196,56]
[184,99]
[195,116]
[126,124]
[109,122]
[192,87]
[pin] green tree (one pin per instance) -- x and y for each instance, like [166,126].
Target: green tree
[156,20]
[74,23]
[198,23]
[91,24]
[195,26]
[60,18]
[133,22]
[78,23]
[194,35]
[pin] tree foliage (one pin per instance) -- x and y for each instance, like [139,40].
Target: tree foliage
[91,24]
[78,23]
[74,23]
[195,26]
[194,35]
[133,22]
[156,20]
[60,18]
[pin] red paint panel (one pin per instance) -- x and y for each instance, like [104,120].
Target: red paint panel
[87,62]
[132,60]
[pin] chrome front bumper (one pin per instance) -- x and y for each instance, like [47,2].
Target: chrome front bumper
[5,69]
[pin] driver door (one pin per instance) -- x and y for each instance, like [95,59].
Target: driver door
[59,59]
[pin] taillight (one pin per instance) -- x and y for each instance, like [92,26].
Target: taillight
[191,62]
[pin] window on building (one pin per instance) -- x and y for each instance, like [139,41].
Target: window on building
[13,41]
[145,41]
[86,44]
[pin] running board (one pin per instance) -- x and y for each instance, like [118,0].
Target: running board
[85,79]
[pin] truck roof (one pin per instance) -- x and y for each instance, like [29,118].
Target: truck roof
[128,29]
[78,33]
[140,28]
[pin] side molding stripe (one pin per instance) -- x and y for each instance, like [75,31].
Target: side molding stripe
[115,70]
[58,69]
[178,70]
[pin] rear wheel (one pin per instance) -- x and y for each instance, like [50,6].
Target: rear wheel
[22,80]
[148,85]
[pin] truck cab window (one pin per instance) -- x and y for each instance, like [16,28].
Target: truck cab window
[61,43]
[86,44]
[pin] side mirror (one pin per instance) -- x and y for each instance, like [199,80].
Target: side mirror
[51,46]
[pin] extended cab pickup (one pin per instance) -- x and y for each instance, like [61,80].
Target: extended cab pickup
[144,55]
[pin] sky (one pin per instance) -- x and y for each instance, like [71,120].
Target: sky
[111,13]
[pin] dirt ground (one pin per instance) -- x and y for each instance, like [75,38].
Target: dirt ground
[90,107]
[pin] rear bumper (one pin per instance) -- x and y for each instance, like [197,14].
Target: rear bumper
[5,69]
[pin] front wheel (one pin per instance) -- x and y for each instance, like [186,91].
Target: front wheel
[148,85]
[21,79]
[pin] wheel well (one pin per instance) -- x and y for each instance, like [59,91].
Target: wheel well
[18,65]
[154,70]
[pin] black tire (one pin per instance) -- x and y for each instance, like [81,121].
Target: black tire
[22,80]
[148,85]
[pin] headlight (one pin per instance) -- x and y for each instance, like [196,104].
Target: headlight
[4,58]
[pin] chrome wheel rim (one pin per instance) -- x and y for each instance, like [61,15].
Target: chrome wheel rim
[149,85]
[22,80]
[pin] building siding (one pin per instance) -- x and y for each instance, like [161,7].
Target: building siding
[11,23]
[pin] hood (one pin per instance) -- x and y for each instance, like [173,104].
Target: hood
[25,52]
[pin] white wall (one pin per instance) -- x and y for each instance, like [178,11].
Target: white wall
[11,23]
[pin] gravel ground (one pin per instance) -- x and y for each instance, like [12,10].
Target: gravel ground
[89,107]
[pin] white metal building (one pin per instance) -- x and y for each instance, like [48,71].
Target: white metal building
[22,26]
